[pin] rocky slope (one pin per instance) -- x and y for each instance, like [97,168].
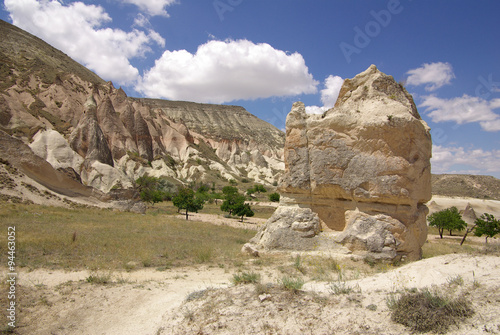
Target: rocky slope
[462,185]
[78,123]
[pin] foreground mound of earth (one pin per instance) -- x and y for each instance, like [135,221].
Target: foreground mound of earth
[203,301]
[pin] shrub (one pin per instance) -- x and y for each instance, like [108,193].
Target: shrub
[99,278]
[425,311]
[274,197]
[293,284]
[340,287]
[259,188]
[245,278]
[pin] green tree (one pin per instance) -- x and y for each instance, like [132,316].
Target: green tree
[231,202]
[186,199]
[487,225]
[274,197]
[226,190]
[242,209]
[151,189]
[259,188]
[250,191]
[449,219]
[216,197]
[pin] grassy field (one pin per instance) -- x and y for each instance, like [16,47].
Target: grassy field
[90,238]
[53,237]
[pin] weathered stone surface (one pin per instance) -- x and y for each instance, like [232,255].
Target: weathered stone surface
[248,248]
[88,138]
[53,147]
[378,236]
[370,153]
[290,227]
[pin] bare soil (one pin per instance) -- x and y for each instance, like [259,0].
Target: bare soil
[202,300]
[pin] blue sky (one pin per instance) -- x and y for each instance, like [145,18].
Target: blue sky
[266,54]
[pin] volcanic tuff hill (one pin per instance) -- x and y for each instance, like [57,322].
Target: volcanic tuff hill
[86,128]
[463,185]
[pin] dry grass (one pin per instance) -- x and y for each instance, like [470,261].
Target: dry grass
[105,239]
[425,310]
[262,212]
[451,245]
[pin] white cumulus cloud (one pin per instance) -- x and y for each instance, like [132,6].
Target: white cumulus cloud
[465,161]
[433,75]
[152,7]
[77,29]
[464,109]
[223,71]
[329,95]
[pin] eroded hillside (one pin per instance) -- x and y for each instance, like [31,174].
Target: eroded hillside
[86,127]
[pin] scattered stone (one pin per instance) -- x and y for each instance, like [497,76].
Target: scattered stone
[264,297]
[249,249]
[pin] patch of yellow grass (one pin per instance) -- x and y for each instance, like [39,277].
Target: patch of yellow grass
[54,237]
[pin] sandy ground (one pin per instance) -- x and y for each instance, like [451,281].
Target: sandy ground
[480,206]
[248,223]
[202,300]
[152,302]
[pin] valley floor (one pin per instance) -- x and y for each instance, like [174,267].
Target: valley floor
[202,300]
[199,294]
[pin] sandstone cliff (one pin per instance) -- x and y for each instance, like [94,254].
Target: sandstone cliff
[73,119]
[362,169]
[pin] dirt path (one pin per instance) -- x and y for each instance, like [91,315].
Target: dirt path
[134,303]
[153,302]
[248,223]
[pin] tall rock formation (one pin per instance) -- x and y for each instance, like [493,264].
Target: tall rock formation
[360,173]
[88,139]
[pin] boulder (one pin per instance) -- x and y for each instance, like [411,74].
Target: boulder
[290,227]
[369,154]
[377,236]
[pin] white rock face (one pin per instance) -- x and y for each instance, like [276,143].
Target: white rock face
[369,154]
[53,147]
[104,177]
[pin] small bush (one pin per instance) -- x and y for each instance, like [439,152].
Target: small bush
[457,280]
[297,264]
[274,197]
[196,295]
[99,278]
[292,283]
[341,287]
[425,311]
[245,278]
